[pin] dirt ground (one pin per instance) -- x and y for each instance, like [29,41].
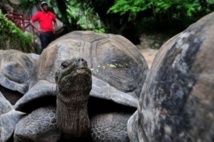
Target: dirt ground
[149,55]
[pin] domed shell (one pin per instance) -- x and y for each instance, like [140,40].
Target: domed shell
[112,59]
[16,68]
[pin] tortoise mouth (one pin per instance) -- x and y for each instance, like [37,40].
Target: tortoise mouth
[81,71]
[78,79]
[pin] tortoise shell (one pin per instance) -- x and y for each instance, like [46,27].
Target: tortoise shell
[112,58]
[118,68]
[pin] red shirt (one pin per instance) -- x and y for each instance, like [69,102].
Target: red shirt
[45,20]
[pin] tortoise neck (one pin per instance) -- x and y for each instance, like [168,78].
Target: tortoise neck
[72,114]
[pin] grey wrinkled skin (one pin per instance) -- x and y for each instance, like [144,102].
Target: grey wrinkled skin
[114,128]
[8,119]
[176,102]
[40,125]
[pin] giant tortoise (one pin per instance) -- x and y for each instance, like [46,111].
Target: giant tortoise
[55,104]
[16,72]
[176,104]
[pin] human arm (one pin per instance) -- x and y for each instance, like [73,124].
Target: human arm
[54,26]
[54,23]
[33,19]
[33,25]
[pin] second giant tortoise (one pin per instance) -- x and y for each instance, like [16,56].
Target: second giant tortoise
[16,71]
[177,100]
[118,74]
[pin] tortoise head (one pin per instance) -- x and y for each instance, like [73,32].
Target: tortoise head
[74,83]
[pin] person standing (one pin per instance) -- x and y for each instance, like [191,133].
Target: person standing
[47,24]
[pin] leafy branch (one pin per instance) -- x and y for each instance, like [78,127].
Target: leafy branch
[12,37]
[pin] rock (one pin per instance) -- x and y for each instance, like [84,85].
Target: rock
[176,102]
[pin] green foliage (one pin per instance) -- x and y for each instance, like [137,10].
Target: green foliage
[12,37]
[85,16]
[187,7]
[153,15]
[124,6]
[27,3]
[132,6]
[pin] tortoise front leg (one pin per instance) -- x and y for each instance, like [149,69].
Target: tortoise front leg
[38,126]
[110,127]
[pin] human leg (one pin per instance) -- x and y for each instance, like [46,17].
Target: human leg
[44,40]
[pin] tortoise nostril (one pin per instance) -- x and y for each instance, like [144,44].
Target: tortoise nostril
[82,62]
[81,59]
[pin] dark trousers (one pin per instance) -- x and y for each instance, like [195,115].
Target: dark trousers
[46,38]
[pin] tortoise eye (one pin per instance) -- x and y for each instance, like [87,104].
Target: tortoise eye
[64,65]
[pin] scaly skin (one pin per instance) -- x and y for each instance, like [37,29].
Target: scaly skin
[74,84]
